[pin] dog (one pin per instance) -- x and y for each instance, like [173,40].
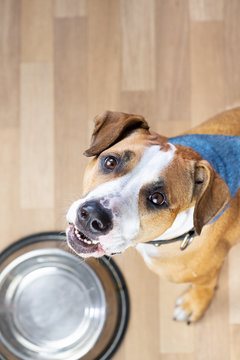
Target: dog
[176,200]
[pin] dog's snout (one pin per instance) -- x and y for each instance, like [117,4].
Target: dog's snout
[94,218]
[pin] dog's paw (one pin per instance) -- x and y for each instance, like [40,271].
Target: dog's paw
[192,304]
[180,312]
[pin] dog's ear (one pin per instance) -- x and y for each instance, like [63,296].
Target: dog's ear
[110,127]
[211,192]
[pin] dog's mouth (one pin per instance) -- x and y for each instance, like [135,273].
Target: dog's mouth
[82,244]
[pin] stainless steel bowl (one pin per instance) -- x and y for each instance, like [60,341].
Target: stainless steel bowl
[56,306]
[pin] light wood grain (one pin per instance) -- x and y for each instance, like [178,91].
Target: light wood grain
[104,57]
[9,181]
[9,62]
[176,63]
[232,51]
[173,61]
[207,70]
[70,8]
[177,357]
[212,328]
[206,10]
[174,337]
[71,126]
[144,324]
[32,221]
[234,342]
[138,38]
[36,30]
[37,137]
[234,285]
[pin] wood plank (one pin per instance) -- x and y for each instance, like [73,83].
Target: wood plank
[234,285]
[9,181]
[9,60]
[141,342]
[138,45]
[104,57]
[176,357]
[14,221]
[232,52]
[195,73]
[234,342]
[173,61]
[206,10]
[212,332]
[71,125]
[207,70]
[175,337]
[37,138]
[32,221]
[36,30]
[145,103]
[70,8]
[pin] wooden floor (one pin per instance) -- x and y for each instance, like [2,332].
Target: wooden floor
[176,62]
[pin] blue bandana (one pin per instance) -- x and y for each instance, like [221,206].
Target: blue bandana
[222,152]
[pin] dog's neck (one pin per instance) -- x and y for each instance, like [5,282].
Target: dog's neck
[181,230]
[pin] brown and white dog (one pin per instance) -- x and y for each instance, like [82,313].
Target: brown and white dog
[141,187]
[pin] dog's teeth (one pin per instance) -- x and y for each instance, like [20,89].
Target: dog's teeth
[83,238]
[89,242]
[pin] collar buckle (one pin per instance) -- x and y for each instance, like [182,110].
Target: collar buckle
[187,240]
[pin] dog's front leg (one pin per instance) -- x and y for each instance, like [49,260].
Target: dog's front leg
[191,305]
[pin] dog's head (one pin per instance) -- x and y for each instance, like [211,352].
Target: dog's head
[139,186]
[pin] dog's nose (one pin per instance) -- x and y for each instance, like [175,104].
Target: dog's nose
[94,218]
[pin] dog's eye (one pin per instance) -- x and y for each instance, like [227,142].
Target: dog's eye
[110,162]
[157,198]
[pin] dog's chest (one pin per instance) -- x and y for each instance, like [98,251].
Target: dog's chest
[169,262]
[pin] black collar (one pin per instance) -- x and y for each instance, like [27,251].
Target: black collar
[186,239]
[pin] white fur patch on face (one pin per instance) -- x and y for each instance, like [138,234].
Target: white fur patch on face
[121,196]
